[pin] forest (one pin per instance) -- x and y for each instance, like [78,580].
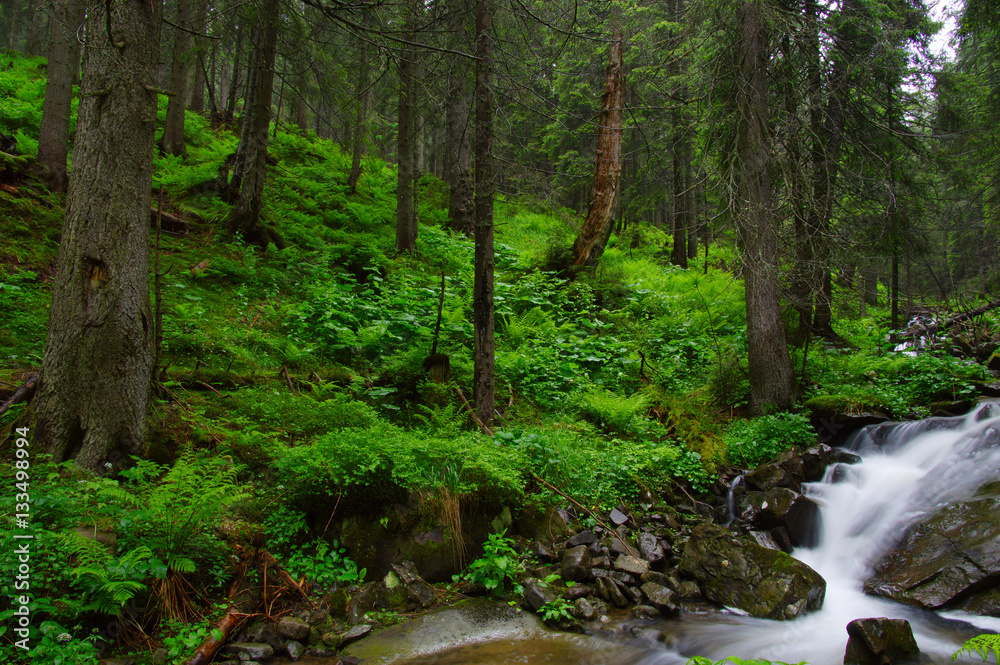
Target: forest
[288,285]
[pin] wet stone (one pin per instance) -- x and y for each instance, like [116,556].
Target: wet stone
[649,548]
[294,629]
[616,575]
[662,598]
[618,517]
[576,563]
[584,610]
[629,564]
[249,651]
[355,634]
[295,650]
[644,612]
[582,538]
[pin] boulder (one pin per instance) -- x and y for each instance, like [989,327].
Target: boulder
[576,563]
[295,650]
[537,594]
[950,559]
[631,565]
[582,538]
[249,651]
[293,629]
[880,641]
[662,598]
[781,507]
[584,610]
[649,548]
[737,572]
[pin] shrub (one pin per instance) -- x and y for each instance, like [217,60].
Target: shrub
[753,442]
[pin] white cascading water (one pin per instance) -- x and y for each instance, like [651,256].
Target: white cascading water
[917,466]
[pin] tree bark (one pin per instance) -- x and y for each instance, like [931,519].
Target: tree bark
[362,99]
[457,163]
[406,226]
[38,28]
[594,232]
[769,362]
[98,359]
[482,299]
[172,142]
[64,53]
[199,61]
[245,219]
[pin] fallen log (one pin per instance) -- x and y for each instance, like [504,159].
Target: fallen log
[933,328]
[22,394]
[171,224]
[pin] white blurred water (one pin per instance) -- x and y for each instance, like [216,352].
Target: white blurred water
[917,467]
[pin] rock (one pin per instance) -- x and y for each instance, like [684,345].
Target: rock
[322,652]
[293,629]
[536,594]
[644,612]
[631,565]
[952,558]
[617,517]
[649,548]
[584,610]
[620,542]
[575,563]
[617,575]
[609,592]
[662,598]
[370,597]
[765,539]
[249,651]
[544,553]
[738,572]
[295,650]
[880,641]
[656,578]
[994,362]
[582,538]
[578,591]
[318,618]
[631,593]
[419,593]
[781,507]
[814,462]
[355,634]
[688,590]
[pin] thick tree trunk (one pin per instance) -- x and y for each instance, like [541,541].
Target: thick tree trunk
[13,13]
[98,360]
[38,29]
[245,218]
[172,142]
[770,364]
[594,232]
[484,352]
[234,81]
[64,54]
[406,226]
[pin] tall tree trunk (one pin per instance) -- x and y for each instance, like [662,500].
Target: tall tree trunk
[362,99]
[14,16]
[38,29]
[301,107]
[406,227]
[172,142]
[96,372]
[594,232]
[200,61]
[770,364]
[234,82]
[482,297]
[458,169]
[64,54]
[245,218]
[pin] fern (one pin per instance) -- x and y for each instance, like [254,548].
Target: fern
[111,582]
[983,645]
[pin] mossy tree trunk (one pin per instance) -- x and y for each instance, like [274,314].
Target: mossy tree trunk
[245,219]
[64,56]
[96,372]
[172,142]
[406,218]
[484,351]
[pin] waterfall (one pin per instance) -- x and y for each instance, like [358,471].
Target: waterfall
[906,471]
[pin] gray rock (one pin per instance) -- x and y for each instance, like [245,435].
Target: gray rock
[247,651]
[584,610]
[880,641]
[738,572]
[318,618]
[578,591]
[609,592]
[536,594]
[616,575]
[629,564]
[631,593]
[662,598]
[781,507]
[582,538]
[293,629]
[617,517]
[355,634]
[649,548]
[655,577]
[644,612]
[160,656]
[576,563]
[295,650]
[688,590]
[951,558]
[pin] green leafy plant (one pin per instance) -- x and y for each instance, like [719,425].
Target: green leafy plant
[110,581]
[58,646]
[556,611]
[752,442]
[498,567]
[185,638]
[981,645]
[328,565]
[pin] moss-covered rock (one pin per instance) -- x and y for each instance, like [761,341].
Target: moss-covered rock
[737,572]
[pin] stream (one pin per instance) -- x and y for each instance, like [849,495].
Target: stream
[906,469]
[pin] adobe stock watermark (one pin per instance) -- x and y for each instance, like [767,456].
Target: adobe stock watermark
[21,618]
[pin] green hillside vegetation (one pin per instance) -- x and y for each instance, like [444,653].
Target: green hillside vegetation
[295,378]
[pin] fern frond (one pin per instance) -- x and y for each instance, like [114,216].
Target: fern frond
[982,645]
